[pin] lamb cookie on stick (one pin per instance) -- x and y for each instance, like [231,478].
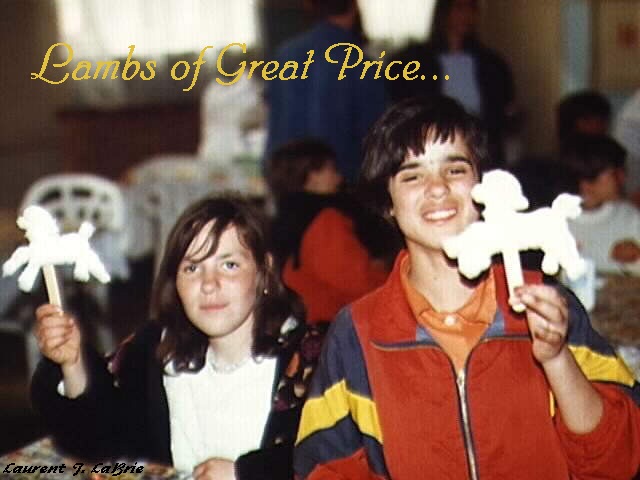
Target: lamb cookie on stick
[48,248]
[508,231]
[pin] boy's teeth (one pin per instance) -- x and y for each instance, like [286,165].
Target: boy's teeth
[440,214]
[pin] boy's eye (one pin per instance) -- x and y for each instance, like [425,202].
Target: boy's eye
[408,177]
[457,170]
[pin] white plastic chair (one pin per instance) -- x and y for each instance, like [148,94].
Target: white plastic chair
[72,199]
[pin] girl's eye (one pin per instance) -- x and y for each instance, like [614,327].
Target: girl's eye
[190,268]
[230,265]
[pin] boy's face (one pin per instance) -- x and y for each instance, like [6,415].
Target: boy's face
[431,193]
[605,187]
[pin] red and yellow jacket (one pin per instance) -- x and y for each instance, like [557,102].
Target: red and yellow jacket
[386,401]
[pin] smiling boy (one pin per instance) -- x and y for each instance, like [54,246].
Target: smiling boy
[433,376]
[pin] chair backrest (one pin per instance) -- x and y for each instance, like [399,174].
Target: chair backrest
[170,168]
[74,198]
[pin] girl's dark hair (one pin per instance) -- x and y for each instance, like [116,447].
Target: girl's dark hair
[438,33]
[404,127]
[289,166]
[184,344]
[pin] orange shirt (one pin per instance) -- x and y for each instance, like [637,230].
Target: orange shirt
[456,332]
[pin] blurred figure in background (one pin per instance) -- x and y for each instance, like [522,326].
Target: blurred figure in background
[336,111]
[608,230]
[580,113]
[478,77]
[584,112]
[627,132]
[319,235]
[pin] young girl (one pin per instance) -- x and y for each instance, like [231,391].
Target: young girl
[197,386]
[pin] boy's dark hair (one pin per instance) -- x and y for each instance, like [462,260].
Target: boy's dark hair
[587,156]
[289,166]
[328,8]
[183,343]
[404,127]
[583,104]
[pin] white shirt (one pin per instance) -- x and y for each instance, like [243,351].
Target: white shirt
[596,231]
[218,415]
[462,80]
[627,132]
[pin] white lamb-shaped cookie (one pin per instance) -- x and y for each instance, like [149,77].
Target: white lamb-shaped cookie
[47,248]
[507,231]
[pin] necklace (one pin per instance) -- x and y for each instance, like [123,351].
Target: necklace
[227,367]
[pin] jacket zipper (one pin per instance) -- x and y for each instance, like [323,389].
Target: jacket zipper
[461,384]
[466,426]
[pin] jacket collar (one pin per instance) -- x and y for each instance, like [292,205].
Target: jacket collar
[392,322]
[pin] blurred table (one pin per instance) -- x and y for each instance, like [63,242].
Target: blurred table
[617,316]
[43,453]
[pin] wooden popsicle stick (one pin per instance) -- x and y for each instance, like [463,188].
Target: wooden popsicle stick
[51,282]
[513,270]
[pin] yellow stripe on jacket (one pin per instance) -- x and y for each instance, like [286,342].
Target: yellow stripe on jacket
[336,403]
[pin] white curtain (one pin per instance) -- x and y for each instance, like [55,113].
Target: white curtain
[170,30]
[394,23]
[162,30]
[97,28]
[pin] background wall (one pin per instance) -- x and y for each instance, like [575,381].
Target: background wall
[547,42]
[528,34]
[28,146]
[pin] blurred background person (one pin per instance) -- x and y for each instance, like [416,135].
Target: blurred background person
[336,111]
[583,112]
[322,238]
[478,77]
[608,230]
[627,132]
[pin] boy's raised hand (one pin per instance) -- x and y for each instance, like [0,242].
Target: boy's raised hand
[548,318]
[58,335]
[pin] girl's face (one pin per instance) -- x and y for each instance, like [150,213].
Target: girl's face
[325,180]
[218,293]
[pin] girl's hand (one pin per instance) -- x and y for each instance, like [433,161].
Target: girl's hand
[58,335]
[215,469]
[548,319]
